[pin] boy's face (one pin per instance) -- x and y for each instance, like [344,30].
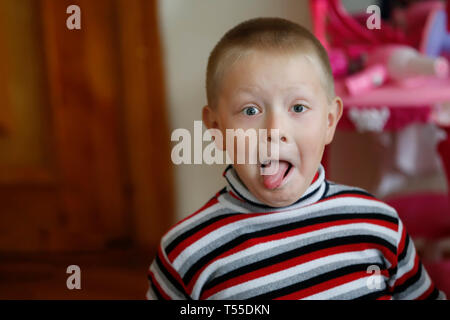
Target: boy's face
[277,91]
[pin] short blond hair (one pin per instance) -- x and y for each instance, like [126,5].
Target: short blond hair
[265,34]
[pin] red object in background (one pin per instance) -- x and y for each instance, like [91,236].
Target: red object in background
[448,14]
[439,272]
[425,215]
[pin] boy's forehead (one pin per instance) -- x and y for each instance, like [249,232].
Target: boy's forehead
[302,78]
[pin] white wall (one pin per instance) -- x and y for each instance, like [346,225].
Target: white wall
[189,31]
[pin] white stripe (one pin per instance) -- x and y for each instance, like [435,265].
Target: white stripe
[346,287]
[241,189]
[312,199]
[357,227]
[169,236]
[269,218]
[301,268]
[408,266]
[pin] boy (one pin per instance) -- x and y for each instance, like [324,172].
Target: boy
[290,234]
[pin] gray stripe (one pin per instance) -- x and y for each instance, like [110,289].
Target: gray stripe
[296,278]
[335,188]
[414,287]
[360,292]
[249,227]
[172,289]
[410,255]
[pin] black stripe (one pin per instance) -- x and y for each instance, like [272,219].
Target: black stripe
[309,195]
[297,252]
[170,278]
[188,233]
[373,295]
[402,254]
[313,281]
[327,188]
[350,192]
[433,295]
[279,229]
[416,277]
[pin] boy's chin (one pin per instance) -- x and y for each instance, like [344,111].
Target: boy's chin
[280,197]
[276,198]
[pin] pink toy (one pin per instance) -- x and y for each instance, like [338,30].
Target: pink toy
[338,61]
[371,77]
[404,62]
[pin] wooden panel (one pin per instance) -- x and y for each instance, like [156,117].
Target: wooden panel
[146,120]
[84,106]
[5,111]
[85,164]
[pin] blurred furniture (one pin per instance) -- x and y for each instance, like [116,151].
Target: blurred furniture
[393,107]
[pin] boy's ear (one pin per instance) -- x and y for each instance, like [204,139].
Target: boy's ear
[334,114]
[209,118]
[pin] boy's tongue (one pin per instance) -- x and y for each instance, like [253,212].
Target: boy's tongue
[274,180]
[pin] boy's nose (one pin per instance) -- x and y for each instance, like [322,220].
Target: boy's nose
[275,121]
[282,138]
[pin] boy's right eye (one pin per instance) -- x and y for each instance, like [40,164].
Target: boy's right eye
[250,111]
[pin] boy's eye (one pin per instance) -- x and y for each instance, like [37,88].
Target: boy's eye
[250,111]
[298,108]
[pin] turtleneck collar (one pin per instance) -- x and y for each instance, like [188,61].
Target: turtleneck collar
[238,191]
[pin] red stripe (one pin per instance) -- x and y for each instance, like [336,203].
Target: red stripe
[290,233]
[385,297]
[323,286]
[158,287]
[285,265]
[235,196]
[425,295]
[351,195]
[170,269]
[315,177]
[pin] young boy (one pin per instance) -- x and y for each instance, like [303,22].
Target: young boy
[290,234]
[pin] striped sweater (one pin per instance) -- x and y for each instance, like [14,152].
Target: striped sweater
[335,242]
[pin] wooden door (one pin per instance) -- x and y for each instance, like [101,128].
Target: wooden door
[84,143]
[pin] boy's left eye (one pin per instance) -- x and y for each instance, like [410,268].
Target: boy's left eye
[298,108]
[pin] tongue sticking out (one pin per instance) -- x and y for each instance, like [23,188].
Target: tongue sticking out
[274,180]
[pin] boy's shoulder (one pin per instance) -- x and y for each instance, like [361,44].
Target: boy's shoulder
[197,220]
[354,196]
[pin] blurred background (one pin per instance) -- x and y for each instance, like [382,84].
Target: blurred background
[86,116]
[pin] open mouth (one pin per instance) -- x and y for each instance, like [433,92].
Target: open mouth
[274,173]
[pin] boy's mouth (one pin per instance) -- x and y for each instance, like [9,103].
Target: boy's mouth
[275,172]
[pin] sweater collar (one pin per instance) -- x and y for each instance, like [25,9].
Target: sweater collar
[237,190]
